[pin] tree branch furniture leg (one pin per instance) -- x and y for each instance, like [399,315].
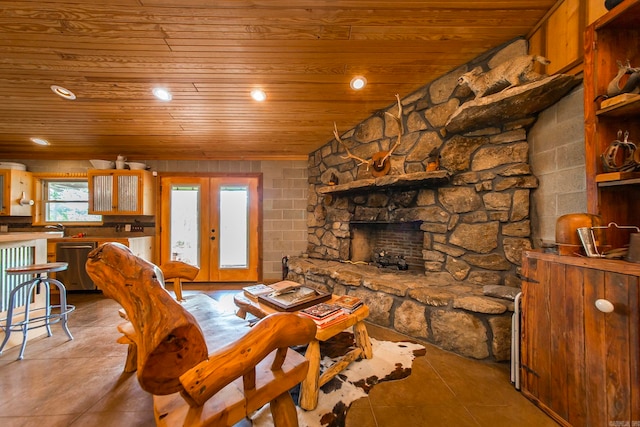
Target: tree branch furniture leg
[203,366]
[309,388]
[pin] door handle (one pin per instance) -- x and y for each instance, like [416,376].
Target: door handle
[213,230]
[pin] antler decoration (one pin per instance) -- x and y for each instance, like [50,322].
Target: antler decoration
[380,160]
[349,155]
[398,120]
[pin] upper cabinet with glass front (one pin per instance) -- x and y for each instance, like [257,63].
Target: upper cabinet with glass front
[121,192]
[13,183]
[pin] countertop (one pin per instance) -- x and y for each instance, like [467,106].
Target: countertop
[24,236]
[612,265]
[97,238]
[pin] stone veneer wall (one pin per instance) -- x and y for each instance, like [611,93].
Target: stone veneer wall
[476,227]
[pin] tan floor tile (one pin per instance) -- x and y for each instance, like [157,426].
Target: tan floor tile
[360,414]
[432,416]
[116,419]
[44,421]
[81,383]
[474,382]
[125,396]
[57,387]
[423,386]
[508,416]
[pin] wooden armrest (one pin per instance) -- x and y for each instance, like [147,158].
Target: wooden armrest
[127,330]
[279,330]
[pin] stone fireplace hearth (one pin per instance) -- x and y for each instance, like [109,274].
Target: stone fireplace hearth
[464,226]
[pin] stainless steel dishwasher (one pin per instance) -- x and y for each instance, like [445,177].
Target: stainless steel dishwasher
[75,277]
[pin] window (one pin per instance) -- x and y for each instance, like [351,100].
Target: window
[67,200]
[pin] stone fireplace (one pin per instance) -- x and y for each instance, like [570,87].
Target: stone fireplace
[404,240]
[462,227]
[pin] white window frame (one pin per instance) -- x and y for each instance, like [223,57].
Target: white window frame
[41,183]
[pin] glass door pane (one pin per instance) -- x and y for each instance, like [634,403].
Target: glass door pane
[234,227]
[185,224]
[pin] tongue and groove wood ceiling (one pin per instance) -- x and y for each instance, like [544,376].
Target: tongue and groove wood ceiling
[210,54]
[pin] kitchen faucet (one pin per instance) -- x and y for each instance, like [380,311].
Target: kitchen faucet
[58,227]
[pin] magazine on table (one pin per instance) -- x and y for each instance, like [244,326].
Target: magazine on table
[321,311]
[331,319]
[325,323]
[293,297]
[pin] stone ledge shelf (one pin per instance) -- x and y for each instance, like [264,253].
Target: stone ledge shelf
[468,319]
[416,179]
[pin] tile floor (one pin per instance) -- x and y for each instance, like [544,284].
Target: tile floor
[80,383]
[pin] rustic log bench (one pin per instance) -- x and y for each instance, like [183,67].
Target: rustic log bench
[204,366]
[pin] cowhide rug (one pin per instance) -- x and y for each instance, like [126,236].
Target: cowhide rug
[391,361]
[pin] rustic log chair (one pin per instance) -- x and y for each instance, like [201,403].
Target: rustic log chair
[204,366]
[175,271]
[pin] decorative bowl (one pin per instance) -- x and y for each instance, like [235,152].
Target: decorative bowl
[12,165]
[102,164]
[137,166]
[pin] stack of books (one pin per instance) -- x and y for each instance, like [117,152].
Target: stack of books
[348,303]
[324,314]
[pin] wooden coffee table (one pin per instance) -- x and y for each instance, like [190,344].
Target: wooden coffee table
[311,385]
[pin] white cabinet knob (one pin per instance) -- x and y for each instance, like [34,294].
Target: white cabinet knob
[604,306]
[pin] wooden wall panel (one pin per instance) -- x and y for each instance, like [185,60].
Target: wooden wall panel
[595,9]
[564,36]
[211,55]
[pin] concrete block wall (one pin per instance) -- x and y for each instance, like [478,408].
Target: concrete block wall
[557,157]
[285,188]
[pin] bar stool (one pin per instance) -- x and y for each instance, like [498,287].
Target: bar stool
[22,321]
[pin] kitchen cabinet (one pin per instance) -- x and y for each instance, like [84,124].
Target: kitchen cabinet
[12,184]
[613,37]
[121,192]
[580,364]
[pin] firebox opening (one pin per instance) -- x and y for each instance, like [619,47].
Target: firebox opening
[401,239]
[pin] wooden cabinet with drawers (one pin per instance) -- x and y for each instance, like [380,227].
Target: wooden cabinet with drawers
[581,364]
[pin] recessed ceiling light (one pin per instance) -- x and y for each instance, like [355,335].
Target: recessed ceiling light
[162,94]
[258,95]
[63,92]
[358,83]
[39,141]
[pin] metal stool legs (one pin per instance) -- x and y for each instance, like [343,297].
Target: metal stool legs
[44,320]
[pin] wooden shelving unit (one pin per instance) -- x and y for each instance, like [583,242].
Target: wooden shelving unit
[614,37]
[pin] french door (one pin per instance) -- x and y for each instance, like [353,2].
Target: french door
[212,222]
